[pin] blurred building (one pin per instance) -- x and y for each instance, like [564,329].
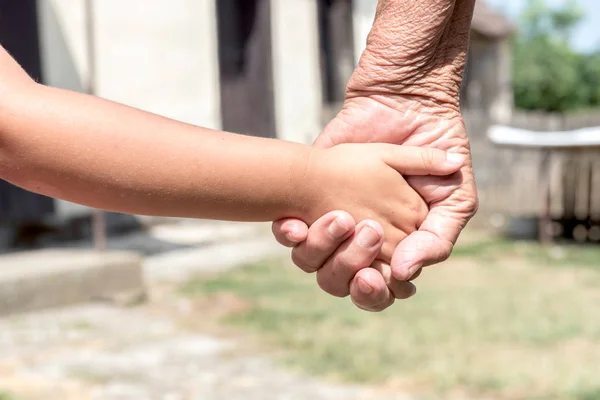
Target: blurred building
[487,85]
[269,68]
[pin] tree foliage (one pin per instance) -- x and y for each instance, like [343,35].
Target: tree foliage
[547,73]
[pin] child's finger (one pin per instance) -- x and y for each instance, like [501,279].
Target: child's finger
[410,160]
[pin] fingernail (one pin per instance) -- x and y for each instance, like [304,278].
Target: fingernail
[336,229]
[290,236]
[368,237]
[455,158]
[364,287]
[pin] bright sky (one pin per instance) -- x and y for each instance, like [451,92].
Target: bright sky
[585,38]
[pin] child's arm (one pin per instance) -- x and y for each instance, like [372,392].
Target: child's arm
[106,155]
[102,154]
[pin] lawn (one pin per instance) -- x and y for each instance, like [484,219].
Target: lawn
[501,319]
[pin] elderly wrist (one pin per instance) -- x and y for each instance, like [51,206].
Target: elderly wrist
[430,85]
[416,51]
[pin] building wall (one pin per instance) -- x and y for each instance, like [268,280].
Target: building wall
[364,15]
[298,94]
[157,55]
[503,104]
[487,83]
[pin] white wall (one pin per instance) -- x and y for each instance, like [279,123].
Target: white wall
[296,70]
[63,43]
[364,15]
[502,106]
[158,55]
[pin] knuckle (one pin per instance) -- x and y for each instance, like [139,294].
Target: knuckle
[471,201]
[328,284]
[444,256]
[470,206]
[428,158]
[301,261]
[348,264]
[418,210]
[473,205]
[444,252]
[336,279]
[322,246]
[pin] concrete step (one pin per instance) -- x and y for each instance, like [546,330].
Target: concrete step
[52,278]
[74,274]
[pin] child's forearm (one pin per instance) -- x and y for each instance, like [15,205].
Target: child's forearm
[106,155]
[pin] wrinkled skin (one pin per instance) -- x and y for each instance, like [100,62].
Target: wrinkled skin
[404,91]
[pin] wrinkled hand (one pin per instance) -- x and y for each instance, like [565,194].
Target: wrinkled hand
[452,201]
[405,91]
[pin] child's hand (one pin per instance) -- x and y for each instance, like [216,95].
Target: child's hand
[366,180]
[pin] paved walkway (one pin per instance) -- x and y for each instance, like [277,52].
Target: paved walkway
[105,353]
[102,352]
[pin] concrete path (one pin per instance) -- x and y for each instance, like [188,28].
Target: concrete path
[149,352]
[104,353]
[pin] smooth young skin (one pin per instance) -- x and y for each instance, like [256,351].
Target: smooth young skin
[405,90]
[106,155]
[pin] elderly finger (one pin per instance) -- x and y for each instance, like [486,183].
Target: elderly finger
[324,238]
[355,254]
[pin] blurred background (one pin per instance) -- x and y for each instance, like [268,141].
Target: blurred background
[98,305]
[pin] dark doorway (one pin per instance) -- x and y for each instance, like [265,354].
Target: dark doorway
[244,37]
[337,48]
[19,36]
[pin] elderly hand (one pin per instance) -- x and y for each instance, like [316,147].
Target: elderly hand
[405,91]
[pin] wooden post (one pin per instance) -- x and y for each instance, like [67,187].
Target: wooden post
[98,217]
[590,191]
[545,218]
[245,66]
[337,48]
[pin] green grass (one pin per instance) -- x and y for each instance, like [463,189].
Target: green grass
[82,325]
[494,321]
[494,249]
[6,396]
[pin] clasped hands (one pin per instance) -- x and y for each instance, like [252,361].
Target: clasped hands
[405,91]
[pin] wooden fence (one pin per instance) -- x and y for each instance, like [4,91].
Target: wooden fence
[510,182]
[513,183]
